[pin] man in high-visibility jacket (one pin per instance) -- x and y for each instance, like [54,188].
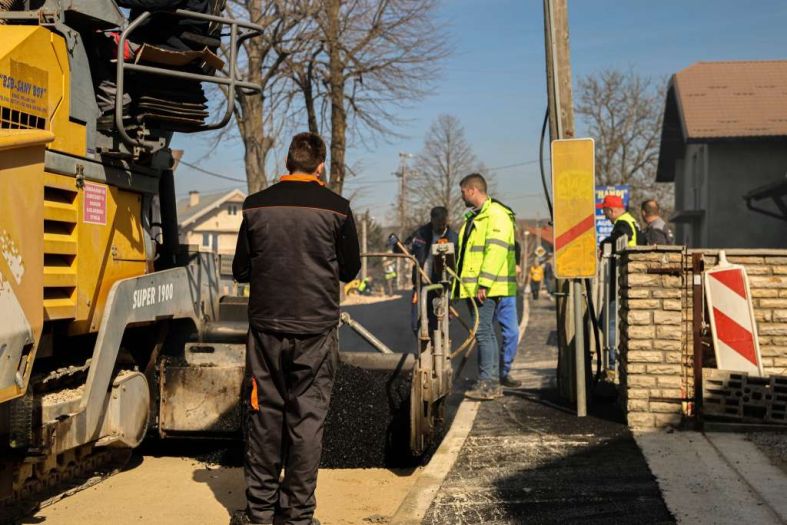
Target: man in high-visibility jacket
[623,223]
[536,276]
[486,266]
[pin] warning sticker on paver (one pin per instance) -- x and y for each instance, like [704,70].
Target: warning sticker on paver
[94,204]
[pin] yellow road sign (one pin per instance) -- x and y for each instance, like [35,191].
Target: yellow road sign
[573,191]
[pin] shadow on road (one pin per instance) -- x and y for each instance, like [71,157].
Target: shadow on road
[227,485]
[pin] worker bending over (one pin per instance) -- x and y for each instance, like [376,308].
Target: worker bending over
[486,267]
[419,243]
[296,242]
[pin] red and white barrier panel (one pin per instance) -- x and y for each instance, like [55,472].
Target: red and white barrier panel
[732,322]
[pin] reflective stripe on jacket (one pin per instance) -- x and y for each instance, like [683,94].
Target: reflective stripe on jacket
[488,258]
[632,222]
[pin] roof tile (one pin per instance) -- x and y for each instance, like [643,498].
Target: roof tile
[733,99]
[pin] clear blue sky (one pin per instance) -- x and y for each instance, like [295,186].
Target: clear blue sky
[494,82]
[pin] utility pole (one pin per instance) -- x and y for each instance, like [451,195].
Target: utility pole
[364,246]
[402,211]
[570,308]
[558,62]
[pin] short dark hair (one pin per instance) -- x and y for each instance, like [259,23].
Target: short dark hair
[439,213]
[476,180]
[650,207]
[307,151]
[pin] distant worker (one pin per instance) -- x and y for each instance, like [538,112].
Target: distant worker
[549,277]
[389,272]
[623,223]
[419,243]
[536,278]
[296,242]
[486,267]
[366,286]
[656,230]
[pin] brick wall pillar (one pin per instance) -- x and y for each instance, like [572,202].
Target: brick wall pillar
[656,340]
[653,336]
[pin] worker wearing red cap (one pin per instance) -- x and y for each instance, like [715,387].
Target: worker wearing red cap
[623,222]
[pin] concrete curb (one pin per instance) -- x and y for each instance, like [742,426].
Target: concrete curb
[525,317]
[415,505]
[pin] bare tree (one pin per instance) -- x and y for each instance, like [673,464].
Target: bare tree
[622,112]
[446,158]
[364,59]
[257,117]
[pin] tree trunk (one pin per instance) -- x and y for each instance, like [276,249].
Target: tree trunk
[336,87]
[256,144]
[308,99]
[251,118]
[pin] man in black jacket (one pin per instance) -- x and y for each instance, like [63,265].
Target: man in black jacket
[656,230]
[419,243]
[296,242]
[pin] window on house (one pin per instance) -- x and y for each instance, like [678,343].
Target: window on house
[206,239]
[233,209]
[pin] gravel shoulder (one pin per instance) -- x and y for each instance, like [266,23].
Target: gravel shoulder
[773,445]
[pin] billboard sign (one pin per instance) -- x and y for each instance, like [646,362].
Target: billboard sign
[603,225]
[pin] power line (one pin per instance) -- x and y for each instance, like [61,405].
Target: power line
[526,163]
[211,173]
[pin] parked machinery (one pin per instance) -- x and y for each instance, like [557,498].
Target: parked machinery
[109,328]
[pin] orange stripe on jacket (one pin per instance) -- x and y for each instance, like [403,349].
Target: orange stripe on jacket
[300,177]
[255,400]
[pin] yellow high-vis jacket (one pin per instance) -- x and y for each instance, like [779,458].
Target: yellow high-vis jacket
[486,253]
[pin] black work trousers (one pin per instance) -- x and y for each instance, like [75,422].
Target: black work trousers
[289,378]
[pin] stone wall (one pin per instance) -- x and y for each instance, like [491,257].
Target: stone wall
[656,342]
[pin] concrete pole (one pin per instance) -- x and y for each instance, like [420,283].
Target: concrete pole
[402,213]
[364,246]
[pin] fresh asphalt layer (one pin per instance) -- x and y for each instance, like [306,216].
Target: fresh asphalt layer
[526,461]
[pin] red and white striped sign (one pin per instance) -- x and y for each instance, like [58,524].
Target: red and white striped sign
[732,322]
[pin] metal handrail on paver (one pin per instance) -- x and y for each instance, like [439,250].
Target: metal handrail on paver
[231,80]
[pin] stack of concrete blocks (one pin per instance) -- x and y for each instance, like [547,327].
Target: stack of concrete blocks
[655,316]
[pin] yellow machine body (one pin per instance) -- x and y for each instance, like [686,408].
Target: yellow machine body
[64,240]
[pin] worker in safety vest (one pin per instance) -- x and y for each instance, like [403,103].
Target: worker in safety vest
[365,286]
[623,224]
[536,277]
[486,266]
[389,269]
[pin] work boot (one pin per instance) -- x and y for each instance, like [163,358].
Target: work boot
[484,391]
[239,517]
[509,382]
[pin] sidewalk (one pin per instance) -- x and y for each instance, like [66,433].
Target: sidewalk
[530,462]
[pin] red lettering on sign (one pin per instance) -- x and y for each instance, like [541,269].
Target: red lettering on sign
[94,204]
